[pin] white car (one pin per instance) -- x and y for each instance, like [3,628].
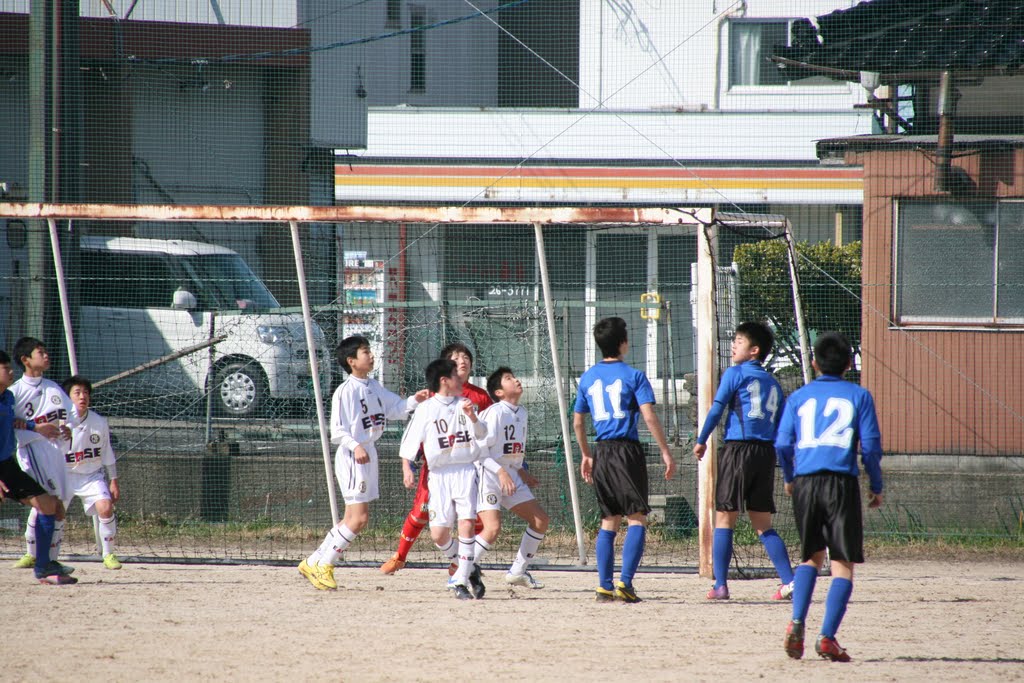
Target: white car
[142,300]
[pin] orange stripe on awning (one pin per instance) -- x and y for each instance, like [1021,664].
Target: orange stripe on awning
[849,173]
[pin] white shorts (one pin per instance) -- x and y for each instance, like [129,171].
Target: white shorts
[358,482]
[43,460]
[490,496]
[452,494]
[89,488]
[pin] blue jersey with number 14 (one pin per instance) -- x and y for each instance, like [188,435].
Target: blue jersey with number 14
[612,392]
[754,401]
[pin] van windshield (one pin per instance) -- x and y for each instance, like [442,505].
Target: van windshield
[228,283]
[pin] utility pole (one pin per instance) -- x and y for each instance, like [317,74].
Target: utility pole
[55,140]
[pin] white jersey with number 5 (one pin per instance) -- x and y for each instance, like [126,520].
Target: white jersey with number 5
[360,409]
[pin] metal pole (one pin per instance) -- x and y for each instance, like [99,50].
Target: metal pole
[62,290]
[212,384]
[672,371]
[563,413]
[69,338]
[801,323]
[314,367]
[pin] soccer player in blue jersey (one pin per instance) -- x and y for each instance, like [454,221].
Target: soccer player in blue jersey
[821,427]
[615,394]
[746,467]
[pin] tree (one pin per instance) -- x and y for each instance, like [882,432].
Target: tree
[830,286]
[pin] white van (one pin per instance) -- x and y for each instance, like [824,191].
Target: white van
[144,299]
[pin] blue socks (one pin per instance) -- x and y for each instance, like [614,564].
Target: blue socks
[632,551]
[803,588]
[778,554]
[44,539]
[835,606]
[721,555]
[605,550]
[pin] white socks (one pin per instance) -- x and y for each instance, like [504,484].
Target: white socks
[334,544]
[466,546]
[30,532]
[527,549]
[480,549]
[58,537]
[108,529]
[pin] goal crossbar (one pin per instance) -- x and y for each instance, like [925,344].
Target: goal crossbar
[360,214]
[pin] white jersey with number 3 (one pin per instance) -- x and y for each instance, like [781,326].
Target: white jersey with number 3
[40,400]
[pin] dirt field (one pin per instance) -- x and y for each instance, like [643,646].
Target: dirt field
[910,621]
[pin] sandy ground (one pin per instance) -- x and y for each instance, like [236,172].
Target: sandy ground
[907,621]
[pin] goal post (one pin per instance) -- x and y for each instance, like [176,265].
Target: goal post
[710,360]
[152,218]
[707,385]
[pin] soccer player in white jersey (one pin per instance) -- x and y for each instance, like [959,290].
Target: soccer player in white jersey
[360,408]
[48,416]
[90,461]
[502,483]
[448,429]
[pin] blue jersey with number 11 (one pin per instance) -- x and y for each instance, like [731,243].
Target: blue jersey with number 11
[612,392]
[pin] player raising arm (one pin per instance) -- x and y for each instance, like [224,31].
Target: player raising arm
[446,427]
[817,448]
[615,394]
[746,468]
[360,409]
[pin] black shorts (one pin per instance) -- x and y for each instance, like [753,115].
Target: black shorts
[828,515]
[746,477]
[620,478]
[19,485]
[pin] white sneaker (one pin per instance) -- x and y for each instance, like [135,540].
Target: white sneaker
[525,580]
[451,583]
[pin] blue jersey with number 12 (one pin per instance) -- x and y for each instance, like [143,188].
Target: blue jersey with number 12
[823,424]
[612,392]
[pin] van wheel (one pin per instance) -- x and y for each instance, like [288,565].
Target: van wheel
[239,389]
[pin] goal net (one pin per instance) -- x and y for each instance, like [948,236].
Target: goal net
[193,332]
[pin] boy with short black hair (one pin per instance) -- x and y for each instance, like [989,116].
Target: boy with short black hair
[417,518]
[817,447]
[360,409]
[746,466]
[17,484]
[90,462]
[447,428]
[502,484]
[48,416]
[615,395]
